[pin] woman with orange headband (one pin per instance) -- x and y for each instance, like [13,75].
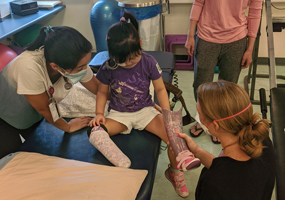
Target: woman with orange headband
[245,169]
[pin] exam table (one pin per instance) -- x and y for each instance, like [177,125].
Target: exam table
[141,147]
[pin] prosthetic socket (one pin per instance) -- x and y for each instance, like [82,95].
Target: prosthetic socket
[173,125]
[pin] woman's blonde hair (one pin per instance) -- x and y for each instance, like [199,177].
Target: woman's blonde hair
[222,99]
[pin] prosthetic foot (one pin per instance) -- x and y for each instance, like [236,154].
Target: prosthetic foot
[100,139]
[173,125]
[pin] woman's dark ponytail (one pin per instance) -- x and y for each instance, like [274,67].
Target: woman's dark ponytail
[63,45]
[38,42]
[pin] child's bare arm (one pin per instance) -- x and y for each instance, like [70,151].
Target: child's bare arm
[101,98]
[161,93]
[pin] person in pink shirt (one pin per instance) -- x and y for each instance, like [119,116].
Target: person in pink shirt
[225,37]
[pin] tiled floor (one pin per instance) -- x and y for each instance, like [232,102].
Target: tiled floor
[163,189]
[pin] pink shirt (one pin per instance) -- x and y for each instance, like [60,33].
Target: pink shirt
[224,21]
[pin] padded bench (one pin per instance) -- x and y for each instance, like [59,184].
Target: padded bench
[141,147]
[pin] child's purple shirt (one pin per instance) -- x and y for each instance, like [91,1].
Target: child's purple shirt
[130,87]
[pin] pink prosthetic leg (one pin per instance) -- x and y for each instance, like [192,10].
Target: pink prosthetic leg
[173,125]
[100,139]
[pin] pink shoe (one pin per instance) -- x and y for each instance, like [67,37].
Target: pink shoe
[177,180]
[186,161]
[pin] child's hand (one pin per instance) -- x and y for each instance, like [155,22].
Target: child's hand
[157,107]
[100,119]
[96,121]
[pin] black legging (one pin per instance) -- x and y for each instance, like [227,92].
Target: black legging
[10,140]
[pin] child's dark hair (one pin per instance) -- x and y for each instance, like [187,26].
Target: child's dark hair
[123,39]
[63,45]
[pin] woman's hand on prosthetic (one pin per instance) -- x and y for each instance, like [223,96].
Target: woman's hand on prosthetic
[190,143]
[78,123]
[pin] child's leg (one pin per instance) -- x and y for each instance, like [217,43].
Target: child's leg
[100,139]
[114,127]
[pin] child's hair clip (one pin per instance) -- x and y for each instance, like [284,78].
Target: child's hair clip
[48,29]
[123,19]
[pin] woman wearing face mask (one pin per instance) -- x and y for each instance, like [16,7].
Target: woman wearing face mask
[33,83]
[245,169]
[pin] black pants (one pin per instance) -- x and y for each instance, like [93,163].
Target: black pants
[10,140]
[208,55]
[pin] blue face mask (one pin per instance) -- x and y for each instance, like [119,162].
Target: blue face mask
[74,78]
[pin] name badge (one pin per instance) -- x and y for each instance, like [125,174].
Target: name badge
[54,110]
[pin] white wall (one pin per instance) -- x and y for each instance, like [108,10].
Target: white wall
[279,37]
[76,15]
